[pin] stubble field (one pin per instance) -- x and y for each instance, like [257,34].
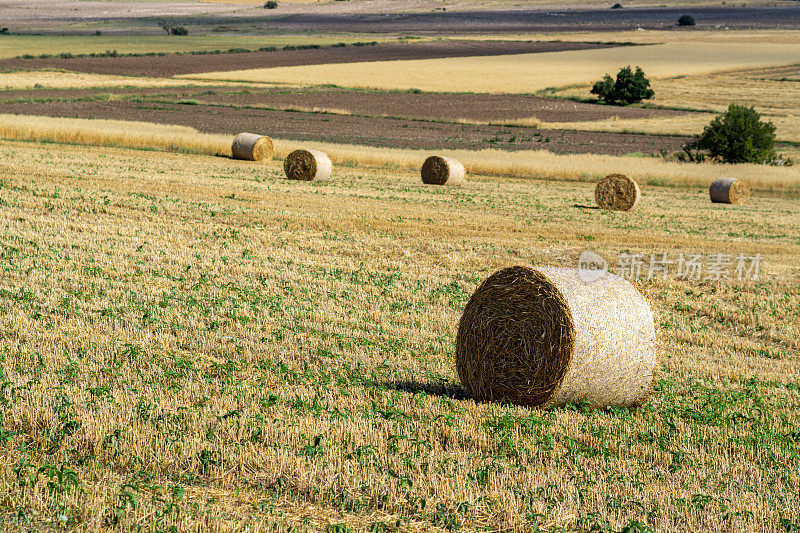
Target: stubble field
[192,343]
[195,342]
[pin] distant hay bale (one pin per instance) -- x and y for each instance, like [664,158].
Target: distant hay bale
[252,147]
[307,165]
[438,170]
[729,191]
[617,192]
[543,338]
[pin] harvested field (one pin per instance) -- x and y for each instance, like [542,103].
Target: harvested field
[196,343]
[173,65]
[192,342]
[348,129]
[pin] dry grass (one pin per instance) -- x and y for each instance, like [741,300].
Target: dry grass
[788,128]
[521,164]
[197,342]
[774,91]
[57,79]
[524,73]
[113,133]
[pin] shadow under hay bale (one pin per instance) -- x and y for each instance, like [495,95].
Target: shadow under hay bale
[617,192]
[307,165]
[438,170]
[545,338]
[252,147]
[729,191]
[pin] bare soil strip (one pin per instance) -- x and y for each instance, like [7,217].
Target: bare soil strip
[348,129]
[175,65]
[438,106]
[418,106]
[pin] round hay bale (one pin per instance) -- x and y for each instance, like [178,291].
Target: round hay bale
[252,147]
[543,338]
[617,192]
[438,170]
[307,165]
[729,191]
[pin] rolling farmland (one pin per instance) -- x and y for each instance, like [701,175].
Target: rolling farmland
[191,342]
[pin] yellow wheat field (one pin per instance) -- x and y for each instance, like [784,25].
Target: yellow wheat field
[113,133]
[524,73]
[519,164]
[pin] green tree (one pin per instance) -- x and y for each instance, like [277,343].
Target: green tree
[629,87]
[738,136]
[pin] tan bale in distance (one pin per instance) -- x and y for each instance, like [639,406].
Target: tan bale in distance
[307,165]
[544,337]
[252,147]
[438,170]
[617,192]
[729,191]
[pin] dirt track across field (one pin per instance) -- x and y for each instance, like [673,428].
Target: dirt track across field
[175,65]
[347,129]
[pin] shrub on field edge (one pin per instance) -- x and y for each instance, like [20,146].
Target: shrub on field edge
[178,30]
[272,4]
[737,136]
[629,87]
[686,20]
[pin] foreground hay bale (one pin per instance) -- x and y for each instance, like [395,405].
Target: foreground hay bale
[307,165]
[729,191]
[252,147]
[617,192]
[438,170]
[544,338]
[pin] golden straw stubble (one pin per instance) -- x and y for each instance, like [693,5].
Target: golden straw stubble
[439,170]
[617,192]
[252,147]
[544,337]
[729,191]
[307,165]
